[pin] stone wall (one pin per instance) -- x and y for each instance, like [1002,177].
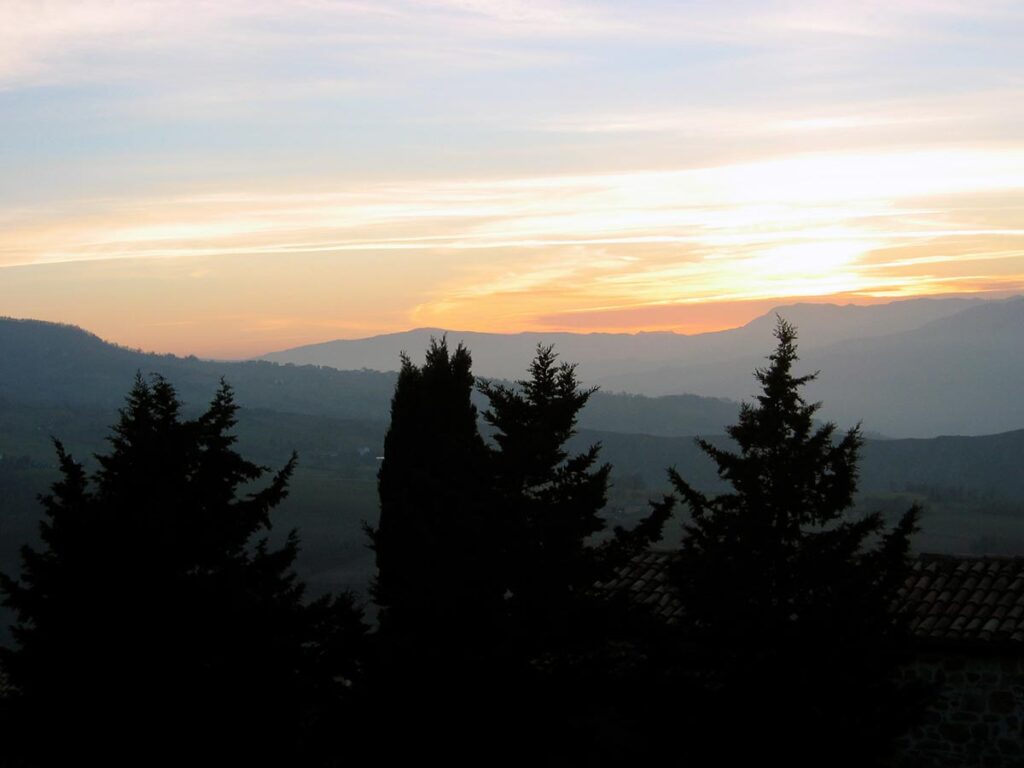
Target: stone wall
[976,712]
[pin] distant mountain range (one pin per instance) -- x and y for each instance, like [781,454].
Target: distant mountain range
[914,368]
[62,364]
[54,363]
[602,355]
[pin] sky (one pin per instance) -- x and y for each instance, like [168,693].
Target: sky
[231,178]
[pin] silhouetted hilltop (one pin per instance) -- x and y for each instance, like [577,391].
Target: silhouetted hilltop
[823,324]
[958,374]
[920,367]
[605,354]
[55,363]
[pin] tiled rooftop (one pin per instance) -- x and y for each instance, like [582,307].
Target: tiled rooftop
[948,598]
[966,598]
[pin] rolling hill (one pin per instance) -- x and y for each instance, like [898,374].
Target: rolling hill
[603,355]
[959,374]
[915,368]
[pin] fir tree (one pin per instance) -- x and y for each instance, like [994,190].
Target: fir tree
[151,625]
[581,662]
[787,595]
[551,501]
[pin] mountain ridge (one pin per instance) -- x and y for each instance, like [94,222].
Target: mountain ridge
[758,323]
[903,368]
[63,364]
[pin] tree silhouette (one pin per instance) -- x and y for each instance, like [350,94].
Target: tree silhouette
[437,582]
[787,596]
[580,667]
[551,501]
[151,626]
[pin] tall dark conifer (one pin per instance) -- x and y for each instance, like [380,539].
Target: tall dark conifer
[551,501]
[787,595]
[438,680]
[438,581]
[582,665]
[152,626]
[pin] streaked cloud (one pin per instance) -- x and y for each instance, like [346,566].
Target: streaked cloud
[499,165]
[825,197]
[506,253]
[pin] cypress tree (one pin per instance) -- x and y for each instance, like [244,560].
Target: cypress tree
[437,582]
[438,682]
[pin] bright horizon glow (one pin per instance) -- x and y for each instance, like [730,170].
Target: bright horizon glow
[250,176]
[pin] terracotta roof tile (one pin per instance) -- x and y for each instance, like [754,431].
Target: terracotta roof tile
[945,597]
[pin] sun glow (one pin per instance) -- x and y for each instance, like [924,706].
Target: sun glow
[520,253]
[249,176]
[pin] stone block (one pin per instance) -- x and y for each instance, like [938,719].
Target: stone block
[956,733]
[1009,747]
[1002,702]
[963,716]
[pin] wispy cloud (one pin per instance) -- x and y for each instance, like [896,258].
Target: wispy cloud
[74,41]
[783,199]
[1000,107]
[510,162]
[805,225]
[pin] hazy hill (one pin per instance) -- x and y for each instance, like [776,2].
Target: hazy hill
[54,363]
[971,488]
[921,367]
[62,364]
[958,374]
[984,466]
[608,354]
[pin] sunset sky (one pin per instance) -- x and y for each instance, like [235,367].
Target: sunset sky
[230,178]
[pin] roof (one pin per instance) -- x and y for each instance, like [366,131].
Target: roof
[948,599]
[645,579]
[973,599]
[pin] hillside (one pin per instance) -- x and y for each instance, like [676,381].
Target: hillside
[972,488]
[62,364]
[914,368]
[603,355]
[52,363]
[959,374]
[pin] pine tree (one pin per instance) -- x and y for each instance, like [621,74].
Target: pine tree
[788,595]
[151,625]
